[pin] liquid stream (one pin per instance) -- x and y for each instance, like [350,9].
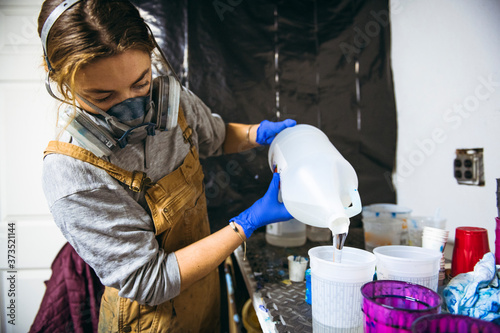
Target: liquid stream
[338,245]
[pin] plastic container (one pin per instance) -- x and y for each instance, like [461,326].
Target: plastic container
[408,263]
[386,210]
[290,233]
[308,296]
[471,243]
[316,234]
[393,306]
[318,185]
[416,225]
[450,323]
[380,231]
[297,266]
[250,319]
[336,296]
[385,224]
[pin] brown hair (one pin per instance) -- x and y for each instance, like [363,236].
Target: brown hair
[90,30]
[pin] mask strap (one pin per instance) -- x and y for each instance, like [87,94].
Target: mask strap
[50,22]
[123,140]
[49,89]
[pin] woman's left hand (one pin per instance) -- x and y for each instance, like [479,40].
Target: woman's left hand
[267,130]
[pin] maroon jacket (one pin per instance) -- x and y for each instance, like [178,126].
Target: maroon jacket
[72,298]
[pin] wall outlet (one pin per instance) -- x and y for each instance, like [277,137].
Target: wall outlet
[469,167]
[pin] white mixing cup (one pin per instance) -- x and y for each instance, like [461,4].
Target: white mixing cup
[297,266]
[336,288]
[408,263]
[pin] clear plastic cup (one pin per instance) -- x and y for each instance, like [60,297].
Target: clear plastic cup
[393,306]
[408,263]
[451,323]
[336,296]
[417,224]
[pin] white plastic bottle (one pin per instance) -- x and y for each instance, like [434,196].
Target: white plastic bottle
[290,233]
[318,185]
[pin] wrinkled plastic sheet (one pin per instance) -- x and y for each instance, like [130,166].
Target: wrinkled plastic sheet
[324,63]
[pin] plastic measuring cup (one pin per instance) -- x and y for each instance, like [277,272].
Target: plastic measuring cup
[408,263]
[336,296]
[393,306]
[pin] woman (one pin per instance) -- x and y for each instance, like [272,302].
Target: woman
[159,276]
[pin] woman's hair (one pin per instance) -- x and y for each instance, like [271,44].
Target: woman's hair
[90,30]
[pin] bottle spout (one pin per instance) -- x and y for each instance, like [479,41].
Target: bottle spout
[339,225]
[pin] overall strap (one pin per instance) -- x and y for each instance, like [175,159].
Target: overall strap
[186,130]
[135,180]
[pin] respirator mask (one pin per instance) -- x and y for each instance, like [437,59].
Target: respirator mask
[128,121]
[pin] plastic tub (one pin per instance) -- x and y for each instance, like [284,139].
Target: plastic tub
[386,210]
[380,231]
[408,263]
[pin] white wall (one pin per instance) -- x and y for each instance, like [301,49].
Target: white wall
[443,53]
[26,125]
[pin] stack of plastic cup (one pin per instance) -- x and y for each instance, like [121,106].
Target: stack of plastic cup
[433,238]
[393,306]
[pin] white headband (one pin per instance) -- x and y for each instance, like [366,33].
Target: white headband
[50,22]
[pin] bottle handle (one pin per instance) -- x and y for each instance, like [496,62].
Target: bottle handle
[355,207]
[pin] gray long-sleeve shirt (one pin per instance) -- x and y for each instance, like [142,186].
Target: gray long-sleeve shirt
[108,225]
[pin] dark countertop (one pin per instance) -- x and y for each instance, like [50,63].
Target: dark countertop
[279,303]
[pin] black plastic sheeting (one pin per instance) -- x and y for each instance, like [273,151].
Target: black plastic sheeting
[324,63]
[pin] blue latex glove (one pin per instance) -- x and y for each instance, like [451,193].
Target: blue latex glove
[267,130]
[264,211]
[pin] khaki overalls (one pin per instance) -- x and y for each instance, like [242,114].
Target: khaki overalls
[197,308]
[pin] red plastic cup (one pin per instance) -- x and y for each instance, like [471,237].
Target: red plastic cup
[471,243]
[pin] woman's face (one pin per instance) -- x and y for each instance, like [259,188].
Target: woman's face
[109,81]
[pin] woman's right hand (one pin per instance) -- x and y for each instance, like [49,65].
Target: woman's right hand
[264,211]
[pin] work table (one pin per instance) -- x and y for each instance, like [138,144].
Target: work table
[279,303]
